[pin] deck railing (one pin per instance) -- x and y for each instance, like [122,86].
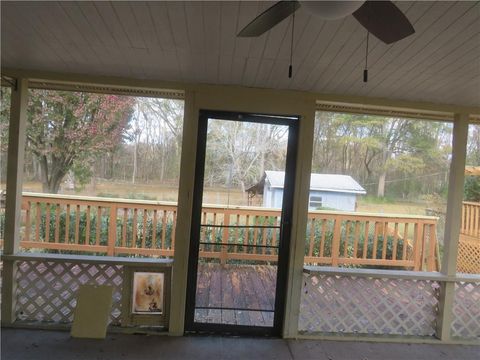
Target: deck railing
[468,260]
[470,225]
[140,227]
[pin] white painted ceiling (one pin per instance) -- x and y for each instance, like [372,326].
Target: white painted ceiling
[196,42]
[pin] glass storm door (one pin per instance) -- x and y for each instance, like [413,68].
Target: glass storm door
[240,232]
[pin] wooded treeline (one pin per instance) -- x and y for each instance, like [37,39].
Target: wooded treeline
[388,156]
[135,139]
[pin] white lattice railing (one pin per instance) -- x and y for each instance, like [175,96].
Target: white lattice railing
[466,310]
[360,304]
[46,290]
[47,284]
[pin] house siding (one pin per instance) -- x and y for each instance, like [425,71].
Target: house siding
[273,198]
[335,200]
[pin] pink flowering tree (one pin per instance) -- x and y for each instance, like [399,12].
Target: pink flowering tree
[66,130]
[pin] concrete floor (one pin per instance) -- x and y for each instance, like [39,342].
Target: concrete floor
[56,345]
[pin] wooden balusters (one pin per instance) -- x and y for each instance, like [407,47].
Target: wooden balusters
[246,236]
[112,231]
[366,240]
[384,240]
[77,223]
[47,223]
[57,223]
[98,225]
[356,239]
[311,237]
[405,241]
[432,248]
[395,242]
[336,241]
[67,224]
[87,225]
[134,228]
[470,219]
[154,229]
[346,242]
[124,240]
[328,232]
[237,233]
[225,236]
[37,222]
[174,226]
[28,221]
[263,235]
[322,240]
[164,228]
[144,228]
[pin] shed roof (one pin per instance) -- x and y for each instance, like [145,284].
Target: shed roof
[320,182]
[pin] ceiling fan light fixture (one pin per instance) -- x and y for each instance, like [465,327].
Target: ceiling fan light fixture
[332,10]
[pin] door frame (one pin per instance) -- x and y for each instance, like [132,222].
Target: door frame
[285,226]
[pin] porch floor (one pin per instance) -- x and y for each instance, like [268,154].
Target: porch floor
[19,344]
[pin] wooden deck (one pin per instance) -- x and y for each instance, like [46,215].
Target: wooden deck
[250,288]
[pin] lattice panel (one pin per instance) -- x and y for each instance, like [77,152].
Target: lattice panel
[466,310]
[468,260]
[46,290]
[343,304]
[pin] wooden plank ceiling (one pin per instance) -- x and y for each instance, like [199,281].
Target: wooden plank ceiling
[196,42]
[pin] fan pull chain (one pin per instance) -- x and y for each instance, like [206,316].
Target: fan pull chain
[365,71]
[290,69]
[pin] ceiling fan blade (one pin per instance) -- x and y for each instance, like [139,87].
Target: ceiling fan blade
[269,18]
[384,20]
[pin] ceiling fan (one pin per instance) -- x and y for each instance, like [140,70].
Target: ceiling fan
[381,18]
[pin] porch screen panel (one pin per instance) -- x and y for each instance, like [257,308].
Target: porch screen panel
[101,173]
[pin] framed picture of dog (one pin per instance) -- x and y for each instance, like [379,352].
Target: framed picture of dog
[146,296]
[148,292]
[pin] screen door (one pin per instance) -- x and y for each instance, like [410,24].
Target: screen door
[240,232]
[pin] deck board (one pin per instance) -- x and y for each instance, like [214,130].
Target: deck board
[236,286]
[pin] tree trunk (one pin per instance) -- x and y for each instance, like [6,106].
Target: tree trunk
[44,174]
[381,184]
[134,172]
[55,185]
[383,175]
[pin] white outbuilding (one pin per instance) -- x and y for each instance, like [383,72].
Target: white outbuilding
[331,191]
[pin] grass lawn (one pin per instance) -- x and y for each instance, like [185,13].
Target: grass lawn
[400,207]
[222,196]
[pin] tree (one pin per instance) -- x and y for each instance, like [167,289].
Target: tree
[472,188]
[5,94]
[67,129]
[409,156]
[155,134]
[238,152]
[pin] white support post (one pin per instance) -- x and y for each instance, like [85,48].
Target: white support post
[299,224]
[452,224]
[16,156]
[184,217]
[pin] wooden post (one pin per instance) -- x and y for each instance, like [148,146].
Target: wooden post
[112,230]
[13,201]
[432,245]
[184,216]
[417,248]
[225,232]
[452,225]
[299,222]
[337,229]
